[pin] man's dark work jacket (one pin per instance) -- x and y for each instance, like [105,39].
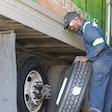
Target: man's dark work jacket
[94,41]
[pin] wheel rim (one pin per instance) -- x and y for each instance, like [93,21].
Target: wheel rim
[32,97]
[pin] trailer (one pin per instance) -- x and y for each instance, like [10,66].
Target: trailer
[36,62]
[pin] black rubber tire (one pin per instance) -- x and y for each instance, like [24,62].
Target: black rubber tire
[78,76]
[24,65]
[55,76]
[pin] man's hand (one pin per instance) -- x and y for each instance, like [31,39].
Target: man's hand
[80,58]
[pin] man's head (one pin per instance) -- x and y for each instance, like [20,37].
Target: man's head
[73,21]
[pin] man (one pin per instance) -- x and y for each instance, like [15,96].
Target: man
[100,54]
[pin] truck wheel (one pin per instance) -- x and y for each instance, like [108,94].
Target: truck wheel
[31,89]
[55,77]
[73,88]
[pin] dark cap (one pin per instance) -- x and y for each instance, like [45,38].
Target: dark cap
[69,17]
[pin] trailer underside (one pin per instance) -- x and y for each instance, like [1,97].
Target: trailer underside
[38,32]
[44,37]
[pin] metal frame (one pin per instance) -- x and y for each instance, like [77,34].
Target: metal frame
[108,21]
[35,16]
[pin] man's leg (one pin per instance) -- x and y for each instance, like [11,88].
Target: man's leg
[108,96]
[98,85]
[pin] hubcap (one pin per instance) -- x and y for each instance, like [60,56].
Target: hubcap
[32,89]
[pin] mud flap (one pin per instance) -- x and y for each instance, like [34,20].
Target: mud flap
[7,72]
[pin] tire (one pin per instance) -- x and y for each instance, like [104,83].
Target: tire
[55,76]
[75,85]
[29,70]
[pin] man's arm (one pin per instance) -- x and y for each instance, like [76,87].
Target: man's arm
[96,41]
